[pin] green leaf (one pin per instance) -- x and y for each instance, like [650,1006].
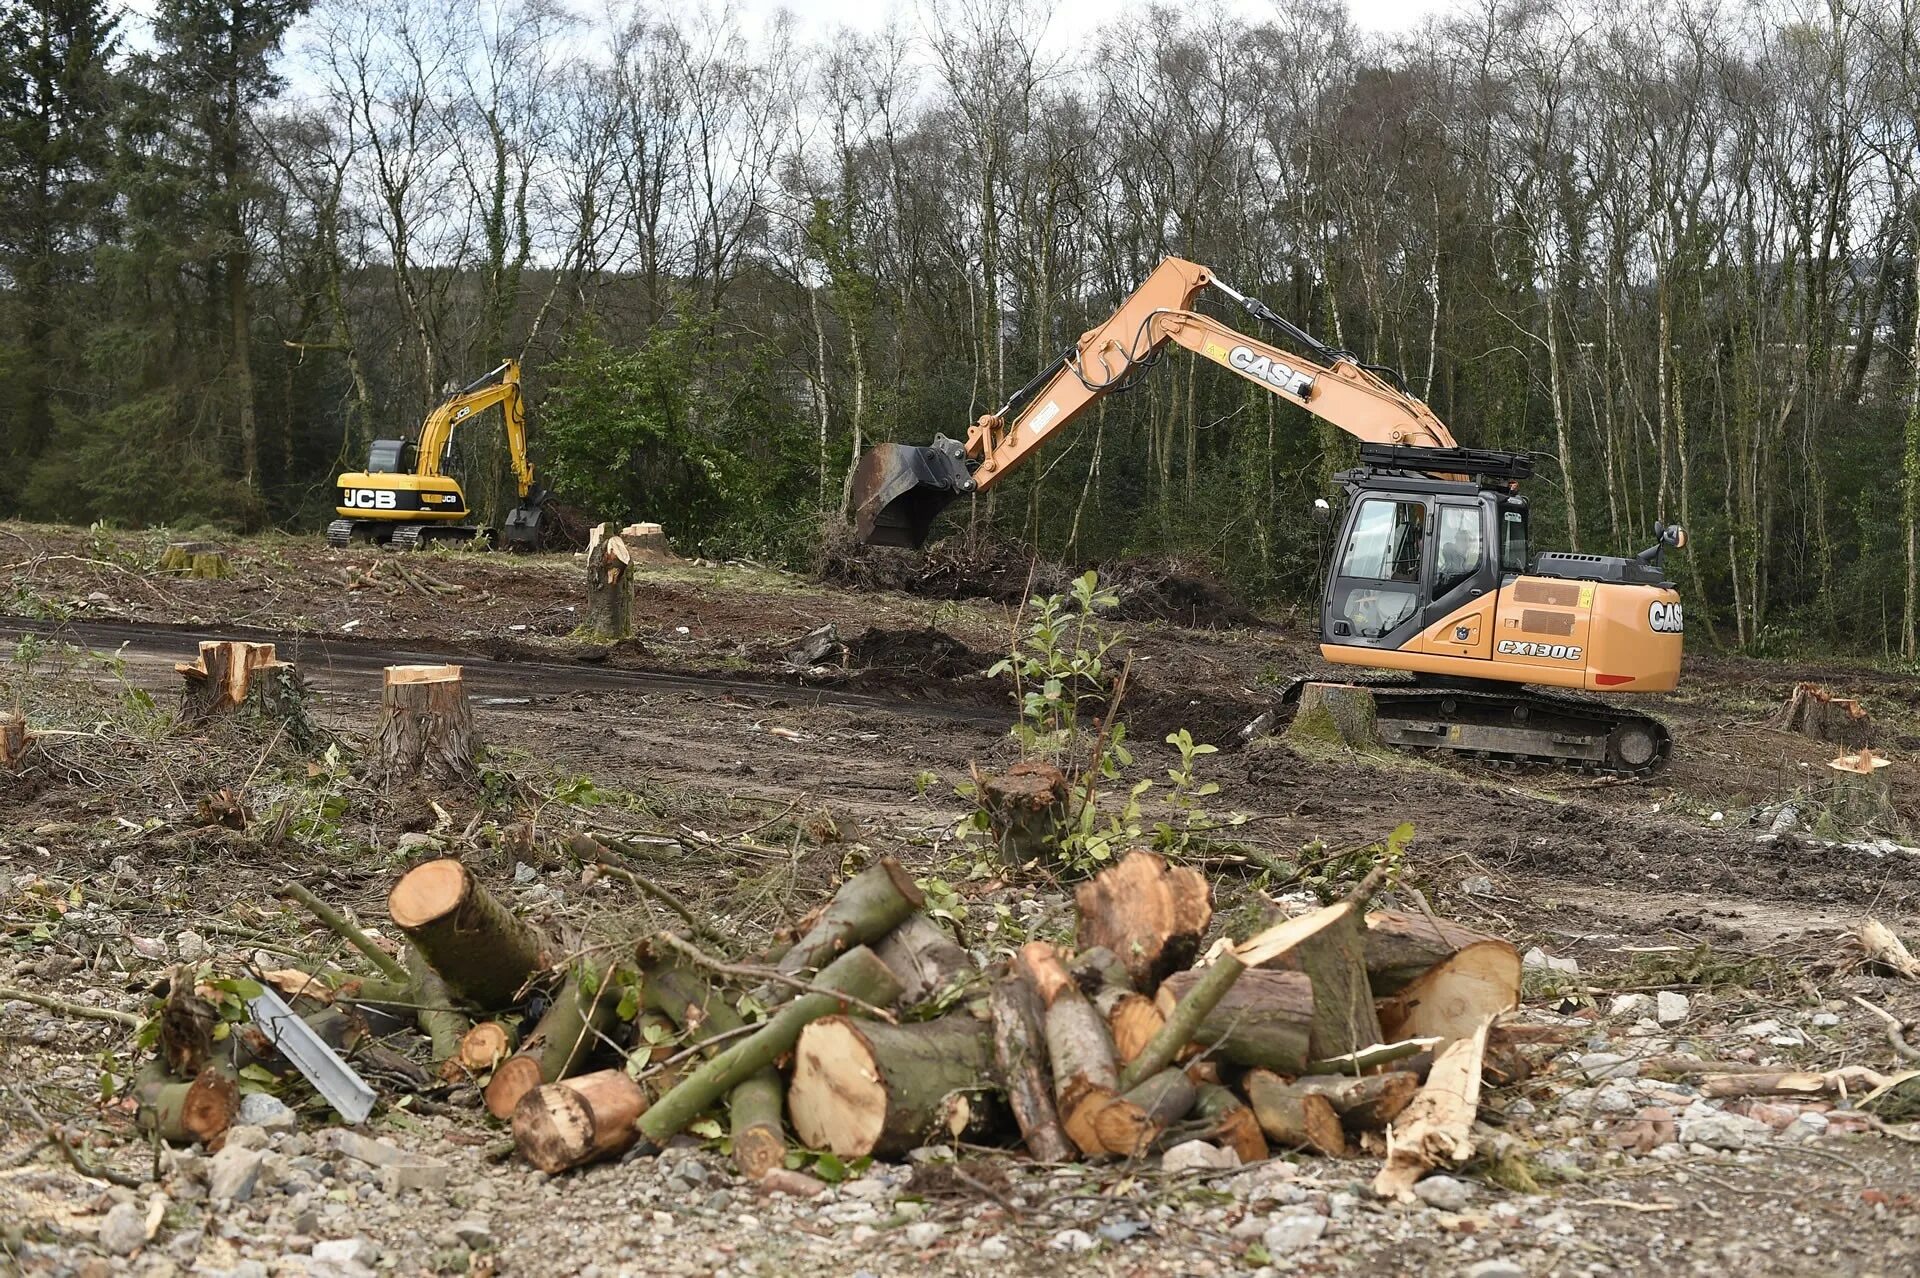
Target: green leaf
[829,1168]
[705,1128]
[259,1074]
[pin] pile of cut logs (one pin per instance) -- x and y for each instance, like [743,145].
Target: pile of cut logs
[872,1030]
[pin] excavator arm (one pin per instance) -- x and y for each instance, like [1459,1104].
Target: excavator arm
[476,397]
[898,489]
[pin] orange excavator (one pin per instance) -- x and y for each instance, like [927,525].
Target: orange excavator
[1431,575]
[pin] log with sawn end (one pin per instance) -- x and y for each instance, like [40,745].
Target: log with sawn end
[867,1088]
[1148,913]
[479,947]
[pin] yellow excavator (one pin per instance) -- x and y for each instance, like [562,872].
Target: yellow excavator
[1431,575]
[405,499]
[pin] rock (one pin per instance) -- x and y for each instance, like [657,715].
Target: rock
[1444,1192]
[1496,1269]
[190,946]
[1554,1222]
[1074,1240]
[524,873]
[376,1153]
[124,1231]
[1671,1008]
[1198,1155]
[922,1234]
[1725,1131]
[417,1173]
[1477,885]
[246,1136]
[1541,961]
[1608,1065]
[268,1113]
[232,1173]
[1616,1097]
[1823,1020]
[1294,1232]
[993,1247]
[692,1171]
[794,1184]
[413,840]
[1630,1005]
[347,1251]
[1759,1029]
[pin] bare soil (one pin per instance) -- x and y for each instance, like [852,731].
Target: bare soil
[773,777]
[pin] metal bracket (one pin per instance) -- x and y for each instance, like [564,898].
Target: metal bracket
[332,1077]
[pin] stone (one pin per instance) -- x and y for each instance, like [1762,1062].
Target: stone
[1725,1131]
[922,1234]
[420,1173]
[1477,885]
[1496,1269]
[246,1136]
[1823,1020]
[1630,1005]
[1671,1008]
[1445,1192]
[1541,961]
[1607,1065]
[692,1171]
[190,946]
[1293,1232]
[993,1247]
[1759,1029]
[794,1184]
[1198,1155]
[365,1149]
[1073,1240]
[524,873]
[413,840]
[232,1174]
[124,1231]
[1617,1097]
[347,1251]
[267,1112]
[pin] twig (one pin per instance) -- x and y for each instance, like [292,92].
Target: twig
[390,967]
[1897,1040]
[58,1139]
[80,1010]
[754,972]
[591,850]
[1100,739]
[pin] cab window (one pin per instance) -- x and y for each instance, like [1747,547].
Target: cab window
[1513,541]
[1386,542]
[1461,548]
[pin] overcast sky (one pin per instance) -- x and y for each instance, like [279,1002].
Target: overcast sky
[821,16]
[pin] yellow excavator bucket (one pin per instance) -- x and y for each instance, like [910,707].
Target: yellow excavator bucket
[900,489]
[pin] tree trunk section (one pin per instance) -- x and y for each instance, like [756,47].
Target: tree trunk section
[1184,1017]
[1265,1019]
[578,1120]
[1437,1128]
[1150,914]
[925,958]
[610,587]
[479,947]
[1129,1125]
[15,742]
[446,1027]
[1132,1019]
[1364,1104]
[1455,994]
[185,1113]
[484,1046]
[1401,947]
[425,728]
[1026,806]
[1293,1117]
[230,674]
[868,1088]
[565,1039]
[1813,711]
[755,1105]
[1235,1125]
[1335,714]
[868,906]
[859,973]
[1086,1078]
[1020,1061]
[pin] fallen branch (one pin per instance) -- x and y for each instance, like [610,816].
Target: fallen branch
[79,1010]
[1896,1038]
[589,849]
[389,966]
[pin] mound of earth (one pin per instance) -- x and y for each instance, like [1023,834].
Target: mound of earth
[956,568]
[1166,588]
[925,650]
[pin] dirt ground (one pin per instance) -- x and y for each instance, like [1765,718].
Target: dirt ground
[768,772]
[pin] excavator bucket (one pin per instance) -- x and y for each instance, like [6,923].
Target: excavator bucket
[521,529]
[900,489]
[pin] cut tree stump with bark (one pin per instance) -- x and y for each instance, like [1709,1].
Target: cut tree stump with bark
[1150,914]
[1026,806]
[1295,1117]
[1132,1019]
[230,674]
[1265,1019]
[609,586]
[1437,1128]
[868,906]
[1020,1063]
[1367,1103]
[1329,946]
[200,560]
[479,947]
[185,1113]
[647,542]
[865,1088]
[756,1105]
[1860,793]
[582,1012]
[1337,714]
[425,728]
[858,973]
[1455,994]
[15,742]
[1813,711]
[578,1120]
[1401,947]
[1234,1124]
[925,957]
[1086,1077]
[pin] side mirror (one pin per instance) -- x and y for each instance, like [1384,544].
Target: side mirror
[1322,511]
[1675,536]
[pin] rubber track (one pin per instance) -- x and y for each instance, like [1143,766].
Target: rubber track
[513,676]
[1389,688]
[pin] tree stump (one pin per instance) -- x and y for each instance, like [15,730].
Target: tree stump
[1026,806]
[15,742]
[647,543]
[1860,796]
[195,559]
[425,728]
[1813,711]
[479,947]
[232,673]
[578,1120]
[1337,714]
[1148,913]
[867,1088]
[609,586]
